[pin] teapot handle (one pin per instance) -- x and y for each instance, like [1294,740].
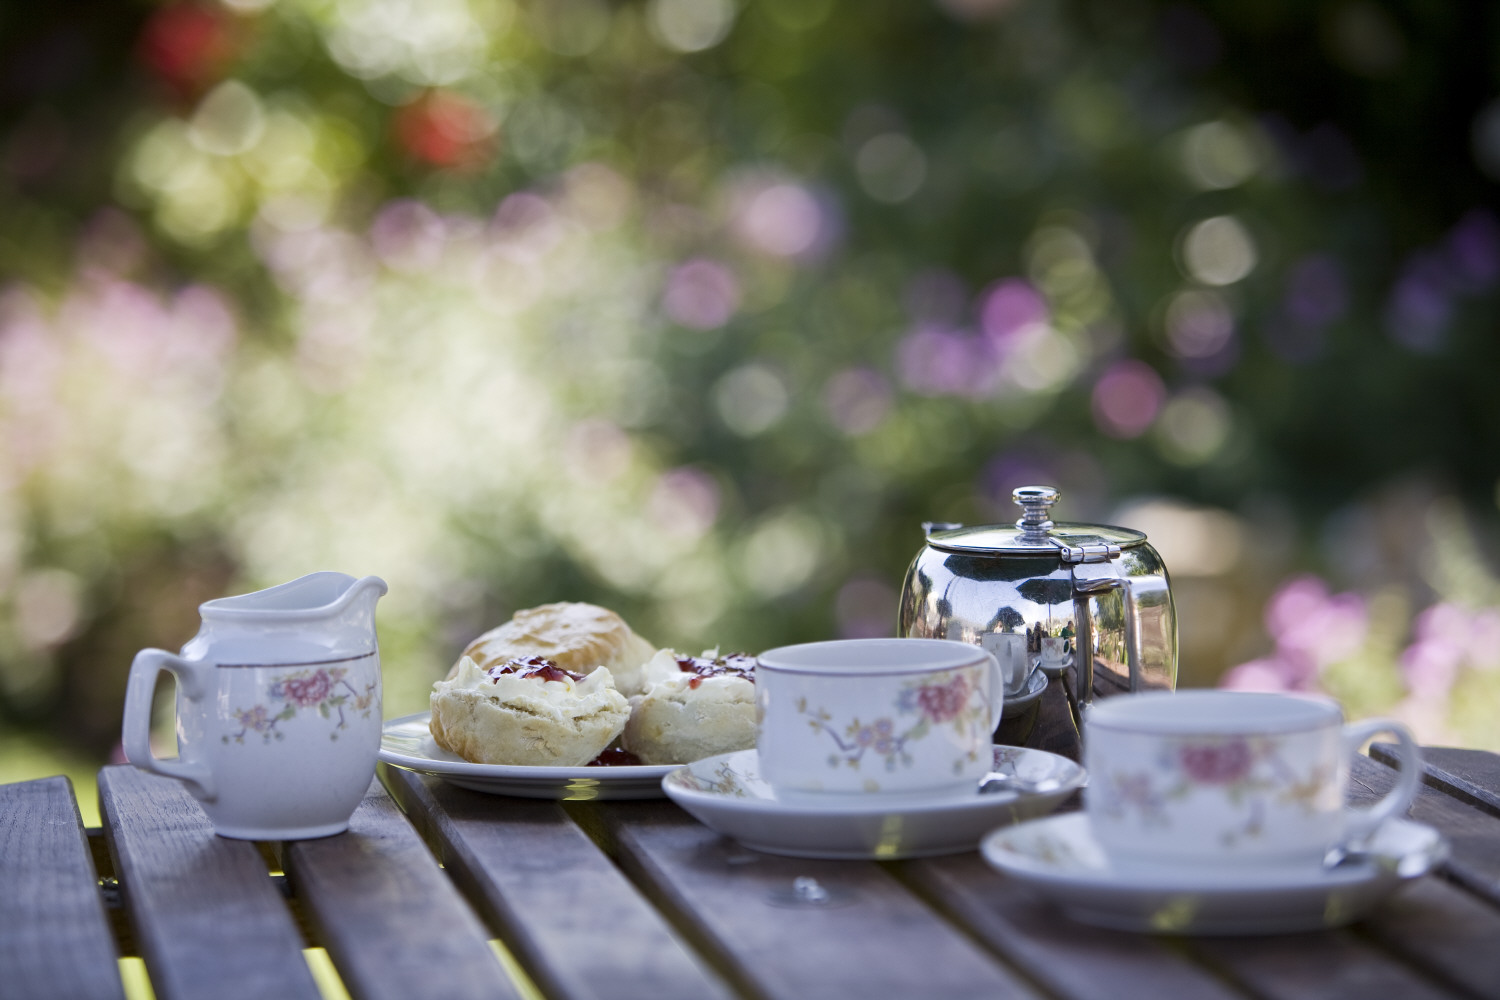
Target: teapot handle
[135,736]
[1091,579]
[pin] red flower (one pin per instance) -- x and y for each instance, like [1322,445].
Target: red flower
[188,45]
[943,702]
[307,691]
[443,129]
[1216,763]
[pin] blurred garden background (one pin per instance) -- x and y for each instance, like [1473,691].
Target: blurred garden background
[698,308]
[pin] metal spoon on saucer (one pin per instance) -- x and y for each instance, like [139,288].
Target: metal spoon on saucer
[996,781]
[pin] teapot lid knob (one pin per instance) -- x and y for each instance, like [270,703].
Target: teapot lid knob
[1036,503]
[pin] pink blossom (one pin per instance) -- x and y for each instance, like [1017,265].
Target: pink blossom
[943,702]
[307,691]
[1216,763]
[1269,674]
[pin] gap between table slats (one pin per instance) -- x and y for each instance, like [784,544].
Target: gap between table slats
[392,922]
[205,913]
[575,923]
[877,939]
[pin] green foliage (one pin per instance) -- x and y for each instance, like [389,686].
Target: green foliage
[699,309]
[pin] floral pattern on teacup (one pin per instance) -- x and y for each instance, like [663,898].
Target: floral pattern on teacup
[325,689]
[1246,773]
[948,698]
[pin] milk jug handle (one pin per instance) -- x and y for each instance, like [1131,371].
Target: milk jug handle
[136,731]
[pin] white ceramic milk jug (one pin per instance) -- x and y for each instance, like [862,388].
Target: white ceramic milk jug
[278,707]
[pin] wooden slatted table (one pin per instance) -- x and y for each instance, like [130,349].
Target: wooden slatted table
[440,892]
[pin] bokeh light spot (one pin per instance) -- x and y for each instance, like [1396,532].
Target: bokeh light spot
[1009,307]
[782,553]
[685,502]
[1193,427]
[1199,324]
[1218,155]
[751,399]
[857,400]
[701,294]
[691,25]
[1218,251]
[229,120]
[1127,398]
[783,220]
[891,167]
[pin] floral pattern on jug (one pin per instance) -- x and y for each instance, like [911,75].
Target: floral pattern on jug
[946,698]
[1248,773]
[316,688]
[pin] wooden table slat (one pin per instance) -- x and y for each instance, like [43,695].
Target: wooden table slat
[520,859]
[1474,835]
[1068,958]
[392,922]
[1322,965]
[209,920]
[54,935]
[1447,932]
[1472,776]
[877,940]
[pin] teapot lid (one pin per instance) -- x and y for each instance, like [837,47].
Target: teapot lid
[1035,534]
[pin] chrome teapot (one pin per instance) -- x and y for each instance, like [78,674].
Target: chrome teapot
[1089,605]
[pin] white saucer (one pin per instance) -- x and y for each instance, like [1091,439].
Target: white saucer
[1015,704]
[1059,857]
[727,794]
[406,742]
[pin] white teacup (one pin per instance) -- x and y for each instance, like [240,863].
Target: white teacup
[1016,661]
[1231,778]
[876,716]
[1055,654]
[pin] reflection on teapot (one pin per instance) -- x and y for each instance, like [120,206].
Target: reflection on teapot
[1093,598]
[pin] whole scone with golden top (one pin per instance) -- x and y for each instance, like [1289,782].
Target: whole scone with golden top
[527,710]
[694,707]
[573,635]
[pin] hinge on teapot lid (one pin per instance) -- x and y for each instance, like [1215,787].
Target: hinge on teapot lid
[1090,552]
[1036,526]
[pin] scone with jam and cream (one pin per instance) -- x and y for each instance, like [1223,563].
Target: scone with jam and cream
[527,710]
[575,636]
[694,707]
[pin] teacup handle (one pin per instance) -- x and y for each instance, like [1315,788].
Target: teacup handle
[1360,823]
[136,731]
[997,688]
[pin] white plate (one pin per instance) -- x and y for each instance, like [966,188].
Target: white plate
[1016,704]
[1059,857]
[727,794]
[406,742]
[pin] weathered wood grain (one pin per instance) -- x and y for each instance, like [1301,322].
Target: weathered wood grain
[1324,965]
[875,940]
[1069,959]
[1474,835]
[393,924]
[576,924]
[54,935]
[1443,930]
[1471,776]
[208,919]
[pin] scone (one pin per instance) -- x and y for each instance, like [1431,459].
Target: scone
[526,711]
[694,707]
[575,636]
